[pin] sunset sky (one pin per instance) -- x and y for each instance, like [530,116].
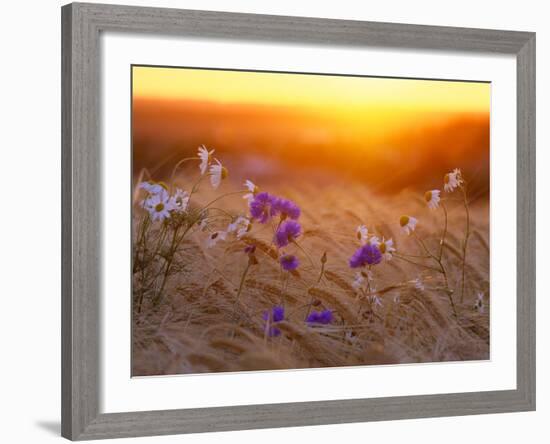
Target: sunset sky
[308,120]
[309,90]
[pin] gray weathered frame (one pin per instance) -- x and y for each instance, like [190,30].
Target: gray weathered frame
[81,172]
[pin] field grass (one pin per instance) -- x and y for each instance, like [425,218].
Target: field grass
[194,312]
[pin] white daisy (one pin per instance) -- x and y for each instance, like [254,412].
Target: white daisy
[153,188]
[358,281]
[374,299]
[452,180]
[418,284]
[432,198]
[215,237]
[253,188]
[479,305]
[351,337]
[240,226]
[386,248]
[374,240]
[408,224]
[203,224]
[205,157]
[158,206]
[217,173]
[180,200]
[362,234]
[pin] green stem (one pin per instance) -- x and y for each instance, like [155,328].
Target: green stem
[305,252]
[444,235]
[241,284]
[442,270]
[177,166]
[465,244]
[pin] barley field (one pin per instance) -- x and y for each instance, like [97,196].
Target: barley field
[201,306]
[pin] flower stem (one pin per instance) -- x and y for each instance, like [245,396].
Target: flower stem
[305,252]
[177,166]
[241,284]
[444,235]
[465,244]
[398,256]
[221,197]
[441,270]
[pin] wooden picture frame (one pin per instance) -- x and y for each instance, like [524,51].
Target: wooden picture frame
[81,174]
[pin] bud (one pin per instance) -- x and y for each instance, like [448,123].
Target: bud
[324,258]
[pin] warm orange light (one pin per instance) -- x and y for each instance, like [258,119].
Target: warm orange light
[339,93]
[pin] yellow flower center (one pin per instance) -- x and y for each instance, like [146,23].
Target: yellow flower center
[256,190]
[224,173]
[428,196]
[382,247]
[446,178]
[404,220]
[159,207]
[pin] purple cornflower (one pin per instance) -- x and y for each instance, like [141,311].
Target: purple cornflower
[277,315]
[367,254]
[288,231]
[286,208]
[261,207]
[289,262]
[320,317]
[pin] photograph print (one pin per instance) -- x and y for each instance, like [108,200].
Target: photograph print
[297,220]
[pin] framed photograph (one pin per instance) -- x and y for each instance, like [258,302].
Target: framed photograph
[280,221]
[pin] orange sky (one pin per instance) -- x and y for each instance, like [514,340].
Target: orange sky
[381,123]
[309,90]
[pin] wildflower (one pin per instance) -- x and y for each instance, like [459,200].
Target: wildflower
[289,262]
[217,173]
[453,180]
[286,208]
[287,233]
[418,284]
[408,224]
[358,281]
[158,206]
[205,157]
[276,315]
[215,237]
[386,248]
[374,240]
[320,317]
[250,186]
[479,305]
[367,254]
[203,225]
[362,234]
[260,207]
[375,300]
[154,190]
[179,201]
[240,226]
[432,198]
[153,187]
[351,337]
